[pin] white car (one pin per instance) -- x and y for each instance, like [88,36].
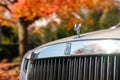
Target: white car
[89,56]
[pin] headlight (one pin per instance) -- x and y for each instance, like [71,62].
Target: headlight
[23,69]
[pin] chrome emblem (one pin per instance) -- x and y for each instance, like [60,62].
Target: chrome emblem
[77,29]
[68,48]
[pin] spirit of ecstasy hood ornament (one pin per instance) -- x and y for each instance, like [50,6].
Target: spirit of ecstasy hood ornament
[77,29]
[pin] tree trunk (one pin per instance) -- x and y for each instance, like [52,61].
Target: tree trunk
[0,34]
[22,35]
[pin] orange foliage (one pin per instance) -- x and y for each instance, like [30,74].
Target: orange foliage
[68,6]
[9,71]
[9,75]
[90,22]
[39,8]
[38,31]
[3,21]
[33,8]
[73,6]
[30,9]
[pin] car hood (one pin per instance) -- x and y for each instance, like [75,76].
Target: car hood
[61,45]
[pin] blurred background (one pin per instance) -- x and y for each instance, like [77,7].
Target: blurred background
[26,24]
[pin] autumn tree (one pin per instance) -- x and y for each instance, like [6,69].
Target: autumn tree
[71,9]
[25,12]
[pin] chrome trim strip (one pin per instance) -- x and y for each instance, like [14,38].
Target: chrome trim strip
[86,47]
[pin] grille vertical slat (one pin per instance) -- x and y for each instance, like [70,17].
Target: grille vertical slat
[84,73]
[35,70]
[95,72]
[74,62]
[63,69]
[67,70]
[37,75]
[79,66]
[81,69]
[69,67]
[101,70]
[111,68]
[59,71]
[44,70]
[114,74]
[90,68]
[108,68]
[117,68]
[41,70]
[98,69]
[32,73]
[51,70]
[87,71]
[72,69]
[76,68]
[54,72]
[48,66]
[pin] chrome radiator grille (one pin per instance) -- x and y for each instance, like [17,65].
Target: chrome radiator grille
[102,67]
